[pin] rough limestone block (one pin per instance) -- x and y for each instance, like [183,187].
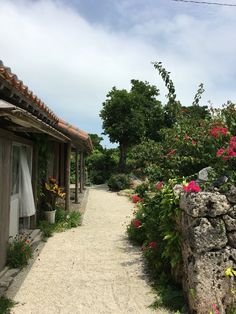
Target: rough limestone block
[232,239]
[205,282]
[204,204]
[232,212]
[203,175]
[230,223]
[208,235]
[231,195]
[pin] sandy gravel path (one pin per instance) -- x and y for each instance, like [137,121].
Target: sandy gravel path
[90,269]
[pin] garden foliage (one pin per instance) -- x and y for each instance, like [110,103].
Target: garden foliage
[119,182]
[64,220]
[191,139]
[19,252]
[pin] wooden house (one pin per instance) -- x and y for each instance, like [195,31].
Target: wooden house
[34,143]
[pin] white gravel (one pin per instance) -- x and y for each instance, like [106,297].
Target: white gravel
[90,269]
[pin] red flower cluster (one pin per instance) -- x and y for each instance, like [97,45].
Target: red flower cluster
[159,185]
[192,187]
[228,152]
[137,223]
[216,131]
[152,245]
[136,199]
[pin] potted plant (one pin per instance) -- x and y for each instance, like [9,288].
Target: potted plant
[51,193]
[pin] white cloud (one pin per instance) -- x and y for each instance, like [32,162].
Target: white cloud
[72,64]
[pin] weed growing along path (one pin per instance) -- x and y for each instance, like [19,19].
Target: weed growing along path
[90,269]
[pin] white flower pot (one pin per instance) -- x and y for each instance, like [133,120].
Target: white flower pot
[50,216]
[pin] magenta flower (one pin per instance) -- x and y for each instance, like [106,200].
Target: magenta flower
[192,187]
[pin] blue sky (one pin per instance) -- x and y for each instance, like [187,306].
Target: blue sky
[71,53]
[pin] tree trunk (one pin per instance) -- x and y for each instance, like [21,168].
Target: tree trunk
[122,161]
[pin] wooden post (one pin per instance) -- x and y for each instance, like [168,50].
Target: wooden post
[81,172]
[76,176]
[67,183]
[84,174]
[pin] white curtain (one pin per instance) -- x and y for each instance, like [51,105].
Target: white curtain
[27,206]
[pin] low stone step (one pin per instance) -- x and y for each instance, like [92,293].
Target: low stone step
[34,234]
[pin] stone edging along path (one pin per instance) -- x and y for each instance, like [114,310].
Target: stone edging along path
[90,269]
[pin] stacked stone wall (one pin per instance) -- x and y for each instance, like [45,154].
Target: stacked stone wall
[209,248]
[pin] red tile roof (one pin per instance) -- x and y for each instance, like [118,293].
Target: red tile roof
[74,133]
[24,90]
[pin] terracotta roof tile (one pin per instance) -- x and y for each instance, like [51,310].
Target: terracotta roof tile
[6,73]
[74,133]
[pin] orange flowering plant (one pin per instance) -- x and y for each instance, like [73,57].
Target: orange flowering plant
[51,193]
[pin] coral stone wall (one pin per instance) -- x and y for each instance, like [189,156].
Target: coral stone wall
[209,248]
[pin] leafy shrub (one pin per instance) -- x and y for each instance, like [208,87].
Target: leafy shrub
[119,182]
[155,228]
[141,189]
[135,229]
[6,305]
[46,228]
[101,164]
[19,252]
[158,215]
[64,221]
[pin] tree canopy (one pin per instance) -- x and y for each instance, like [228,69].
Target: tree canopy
[128,116]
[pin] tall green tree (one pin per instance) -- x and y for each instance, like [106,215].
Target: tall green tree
[96,140]
[130,116]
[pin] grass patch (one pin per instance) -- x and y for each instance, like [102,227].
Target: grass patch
[64,221]
[6,305]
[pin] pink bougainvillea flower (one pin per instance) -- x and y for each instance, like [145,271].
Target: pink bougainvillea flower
[136,199]
[225,158]
[215,308]
[137,223]
[152,245]
[192,187]
[194,142]
[186,137]
[232,142]
[231,152]
[159,185]
[220,152]
[216,131]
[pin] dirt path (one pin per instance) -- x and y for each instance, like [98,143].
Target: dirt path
[91,269]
